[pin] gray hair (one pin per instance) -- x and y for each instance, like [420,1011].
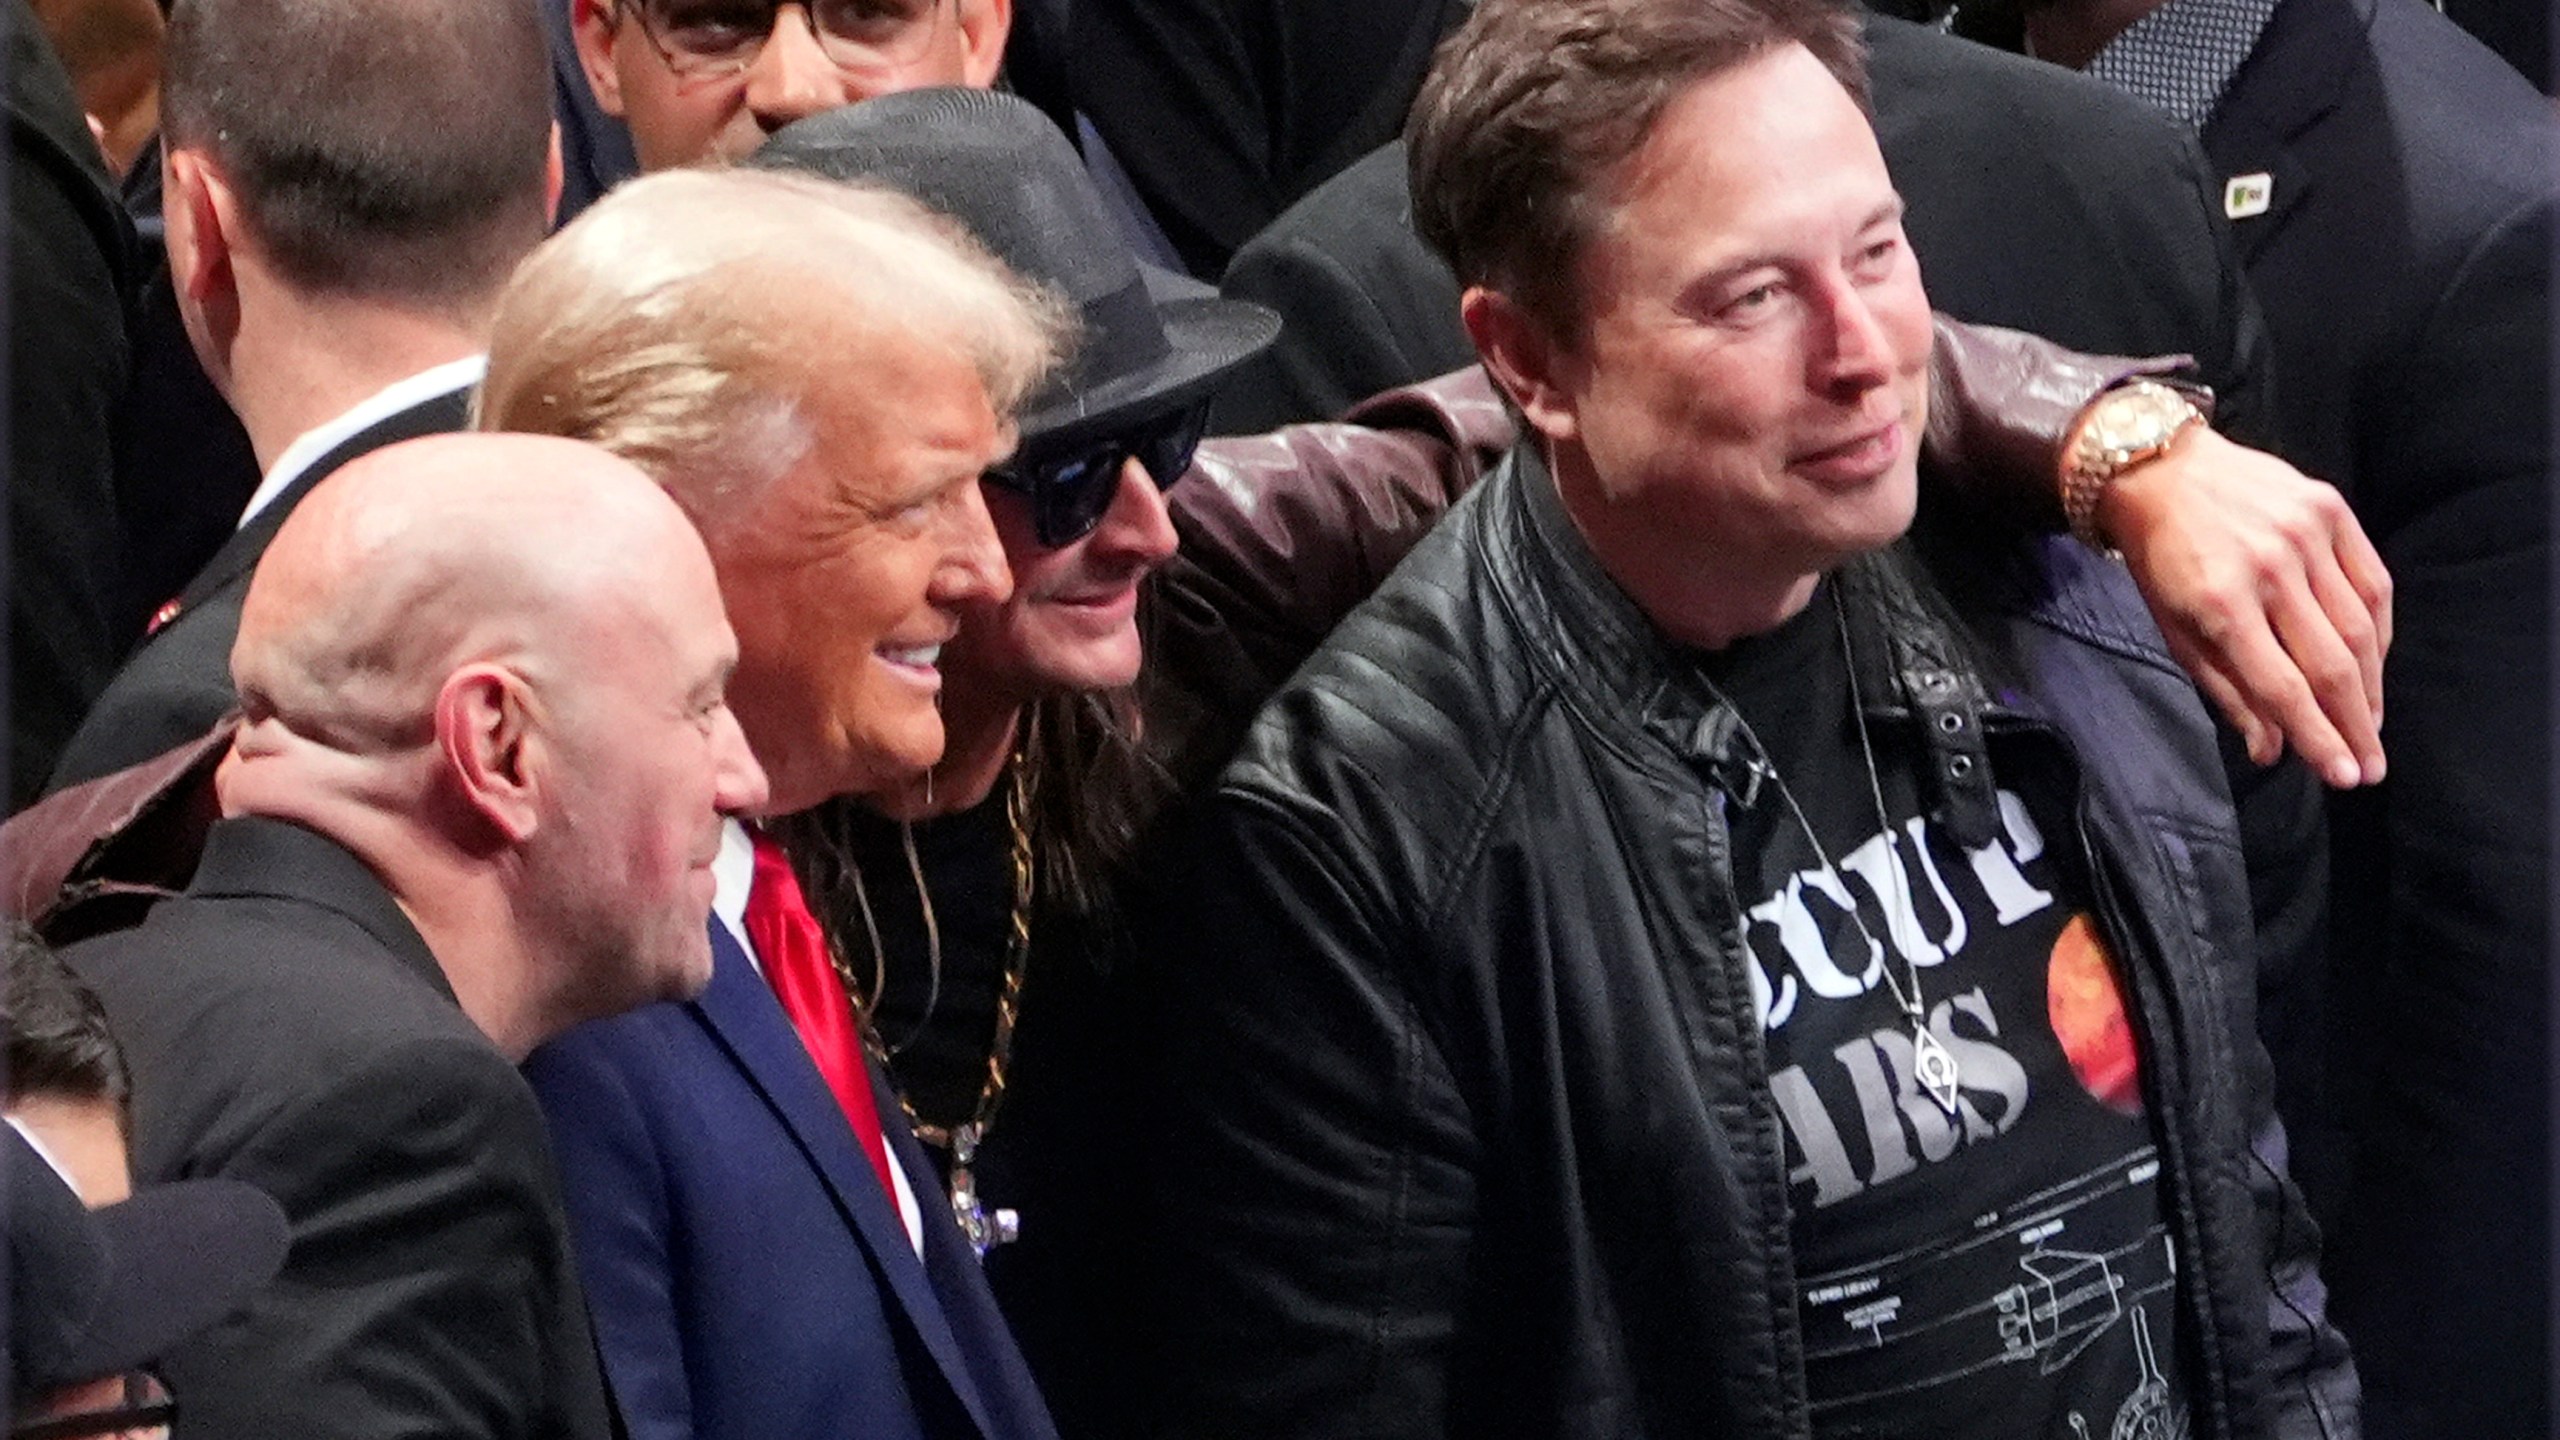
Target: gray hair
[671,322]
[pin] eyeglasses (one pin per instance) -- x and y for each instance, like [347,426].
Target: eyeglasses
[1071,489]
[714,39]
[145,1409]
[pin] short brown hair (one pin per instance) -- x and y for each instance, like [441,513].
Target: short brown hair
[386,149]
[1531,104]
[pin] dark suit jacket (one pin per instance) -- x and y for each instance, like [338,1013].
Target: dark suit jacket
[179,682]
[184,466]
[595,148]
[749,1276]
[1224,111]
[71,263]
[2039,200]
[2404,266]
[286,1026]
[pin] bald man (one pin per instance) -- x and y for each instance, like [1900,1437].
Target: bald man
[486,758]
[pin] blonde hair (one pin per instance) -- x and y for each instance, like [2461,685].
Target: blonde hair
[671,323]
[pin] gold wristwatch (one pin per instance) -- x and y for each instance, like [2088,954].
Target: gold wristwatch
[2124,426]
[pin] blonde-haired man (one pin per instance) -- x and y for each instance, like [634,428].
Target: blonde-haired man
[818,374]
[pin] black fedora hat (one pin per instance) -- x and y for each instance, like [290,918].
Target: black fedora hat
[1152,342]
[94,1293]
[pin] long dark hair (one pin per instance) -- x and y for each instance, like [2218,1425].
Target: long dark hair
[1092,788]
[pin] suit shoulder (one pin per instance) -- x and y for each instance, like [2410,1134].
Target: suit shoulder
[2468,126]
[284,971]
[1924,79]
[1364,204]
[619,1058]
[168,692]
[234,1013]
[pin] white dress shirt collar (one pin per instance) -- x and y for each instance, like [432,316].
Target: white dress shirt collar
[384,403]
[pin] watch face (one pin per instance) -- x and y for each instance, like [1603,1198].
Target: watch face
[2139,417]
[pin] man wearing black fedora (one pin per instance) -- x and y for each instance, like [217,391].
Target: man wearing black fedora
[1001,989]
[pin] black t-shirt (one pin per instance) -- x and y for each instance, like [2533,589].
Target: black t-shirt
[2004,1270]
[1072,1126]
[935,1008]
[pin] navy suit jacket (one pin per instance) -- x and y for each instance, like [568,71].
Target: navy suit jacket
[2404,268]
[749,1277]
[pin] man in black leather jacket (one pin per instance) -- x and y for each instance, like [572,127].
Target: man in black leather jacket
[1686,958]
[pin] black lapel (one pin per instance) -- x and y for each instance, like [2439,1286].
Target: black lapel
[239,555]
[2291,81]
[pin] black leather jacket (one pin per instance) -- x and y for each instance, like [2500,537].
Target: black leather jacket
[1471,1131]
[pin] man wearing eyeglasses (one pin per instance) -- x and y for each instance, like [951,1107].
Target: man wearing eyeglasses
[709,79]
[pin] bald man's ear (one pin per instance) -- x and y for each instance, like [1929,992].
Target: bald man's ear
[984,27]
[1529,364]
[201,215]
[486,732]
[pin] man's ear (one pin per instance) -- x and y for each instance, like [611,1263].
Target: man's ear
[201,216]
[492,748]
[1523,358]
[555,178]
[592,25]
[984,26]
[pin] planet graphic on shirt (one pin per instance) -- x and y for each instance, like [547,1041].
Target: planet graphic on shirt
[2085,1001]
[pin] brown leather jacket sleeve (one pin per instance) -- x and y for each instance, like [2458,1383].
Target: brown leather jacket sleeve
[2000,405]
[1282,534]
[97,855]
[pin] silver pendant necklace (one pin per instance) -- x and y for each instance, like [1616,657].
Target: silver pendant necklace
[1933,1066]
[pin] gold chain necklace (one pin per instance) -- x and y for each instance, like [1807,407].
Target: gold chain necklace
[984,1228]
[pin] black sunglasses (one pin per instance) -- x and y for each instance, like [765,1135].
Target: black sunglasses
[1071,489]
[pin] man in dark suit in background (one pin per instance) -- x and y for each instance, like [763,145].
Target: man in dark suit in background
[474,801]
[71,259]
[334,258]
[2392,187]
[1223,112]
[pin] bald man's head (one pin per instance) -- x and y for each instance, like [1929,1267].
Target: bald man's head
[500,661]
[423,557]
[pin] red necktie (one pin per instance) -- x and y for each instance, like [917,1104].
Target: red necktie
[794,952]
